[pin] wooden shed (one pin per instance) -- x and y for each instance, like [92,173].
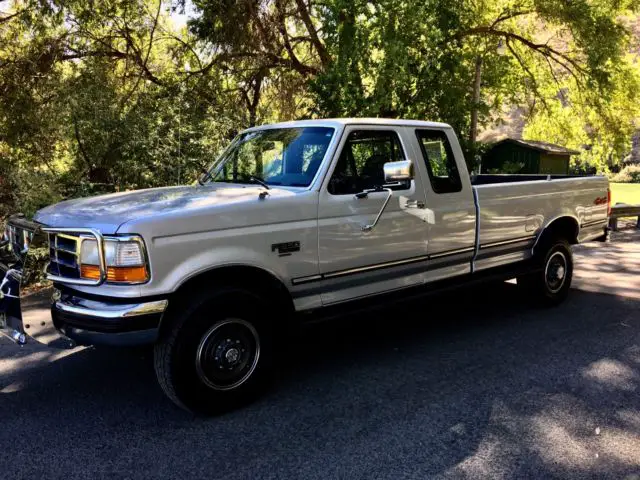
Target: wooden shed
[526,156]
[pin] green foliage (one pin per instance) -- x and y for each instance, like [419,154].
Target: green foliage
[106,96]
[629,174]
[36,270]
[391,60]
[101,102]
[417,59]
[508,167]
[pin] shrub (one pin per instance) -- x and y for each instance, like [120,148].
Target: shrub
[629,174]
[579,167]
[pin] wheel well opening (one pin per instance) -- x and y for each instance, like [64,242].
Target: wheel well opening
[563,227]
[246,277]
[251,278]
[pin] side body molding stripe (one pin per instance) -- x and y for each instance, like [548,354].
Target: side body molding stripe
[380,266]
[385,271]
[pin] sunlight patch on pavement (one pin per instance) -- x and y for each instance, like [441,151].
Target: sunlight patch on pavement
[612,268]
[613,374]
[622,445]
[558,443]
[33,359]
[565,433]
[483,462]
[491,458]
[13,387]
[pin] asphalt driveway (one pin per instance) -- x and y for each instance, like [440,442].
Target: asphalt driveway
[478,384]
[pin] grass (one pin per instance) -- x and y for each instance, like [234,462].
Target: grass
[625,193]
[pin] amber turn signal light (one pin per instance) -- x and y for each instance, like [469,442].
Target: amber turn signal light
[115,274]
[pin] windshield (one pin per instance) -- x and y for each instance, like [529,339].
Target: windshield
[279,156]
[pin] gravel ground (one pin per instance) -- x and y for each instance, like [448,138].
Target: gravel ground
[479,384]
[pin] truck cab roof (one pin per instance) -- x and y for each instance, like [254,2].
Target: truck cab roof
[341,122]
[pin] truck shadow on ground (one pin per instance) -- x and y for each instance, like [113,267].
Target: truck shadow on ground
[476,383]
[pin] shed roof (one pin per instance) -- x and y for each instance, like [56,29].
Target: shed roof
[544,147]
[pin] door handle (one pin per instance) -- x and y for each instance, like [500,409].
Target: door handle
[414,204]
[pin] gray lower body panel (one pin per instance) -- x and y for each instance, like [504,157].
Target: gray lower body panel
[593,230]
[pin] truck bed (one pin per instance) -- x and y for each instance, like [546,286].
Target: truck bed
[486,179]
[512,210]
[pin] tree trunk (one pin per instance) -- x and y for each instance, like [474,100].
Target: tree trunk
[635,147]
[473,131]
[313,33]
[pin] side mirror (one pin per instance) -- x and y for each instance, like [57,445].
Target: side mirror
[395,174]
[398,172]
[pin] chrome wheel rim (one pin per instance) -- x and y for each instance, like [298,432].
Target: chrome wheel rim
[228,354]
[555,272]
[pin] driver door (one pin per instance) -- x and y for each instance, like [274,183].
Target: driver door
[355,262]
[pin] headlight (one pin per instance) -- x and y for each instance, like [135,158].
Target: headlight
[124,260]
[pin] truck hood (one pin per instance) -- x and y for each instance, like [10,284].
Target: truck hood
[107,213]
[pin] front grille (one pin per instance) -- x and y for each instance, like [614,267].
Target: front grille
[64,252]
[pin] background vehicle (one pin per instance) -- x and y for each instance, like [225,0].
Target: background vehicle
[295,218]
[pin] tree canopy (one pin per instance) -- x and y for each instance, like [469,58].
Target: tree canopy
[112,94]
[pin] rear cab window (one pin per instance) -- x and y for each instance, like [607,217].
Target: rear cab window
[439,160]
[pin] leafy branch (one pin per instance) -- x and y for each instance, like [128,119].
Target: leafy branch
[569,64]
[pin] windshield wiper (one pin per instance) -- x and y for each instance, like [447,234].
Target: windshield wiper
[255,179]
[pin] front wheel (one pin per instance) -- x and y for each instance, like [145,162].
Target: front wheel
[551,280]
[217,354]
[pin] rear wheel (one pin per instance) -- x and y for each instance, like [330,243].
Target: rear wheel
[605,237]
[551,280]
[217,354]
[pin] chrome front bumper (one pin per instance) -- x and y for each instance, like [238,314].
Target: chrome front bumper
[33,308]
[106,321]
[97,309]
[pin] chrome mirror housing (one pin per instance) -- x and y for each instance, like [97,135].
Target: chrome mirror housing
[398,172]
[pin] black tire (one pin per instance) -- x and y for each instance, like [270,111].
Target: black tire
[216,354]
[550,282]
[605,237]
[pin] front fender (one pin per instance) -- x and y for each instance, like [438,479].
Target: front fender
[218,258]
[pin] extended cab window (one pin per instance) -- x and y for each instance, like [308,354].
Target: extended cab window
[361,161]
[441,164]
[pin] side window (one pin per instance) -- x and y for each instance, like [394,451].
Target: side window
[361,161]
[441,164]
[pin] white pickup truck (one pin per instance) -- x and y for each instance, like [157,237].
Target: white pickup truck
[293,221]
